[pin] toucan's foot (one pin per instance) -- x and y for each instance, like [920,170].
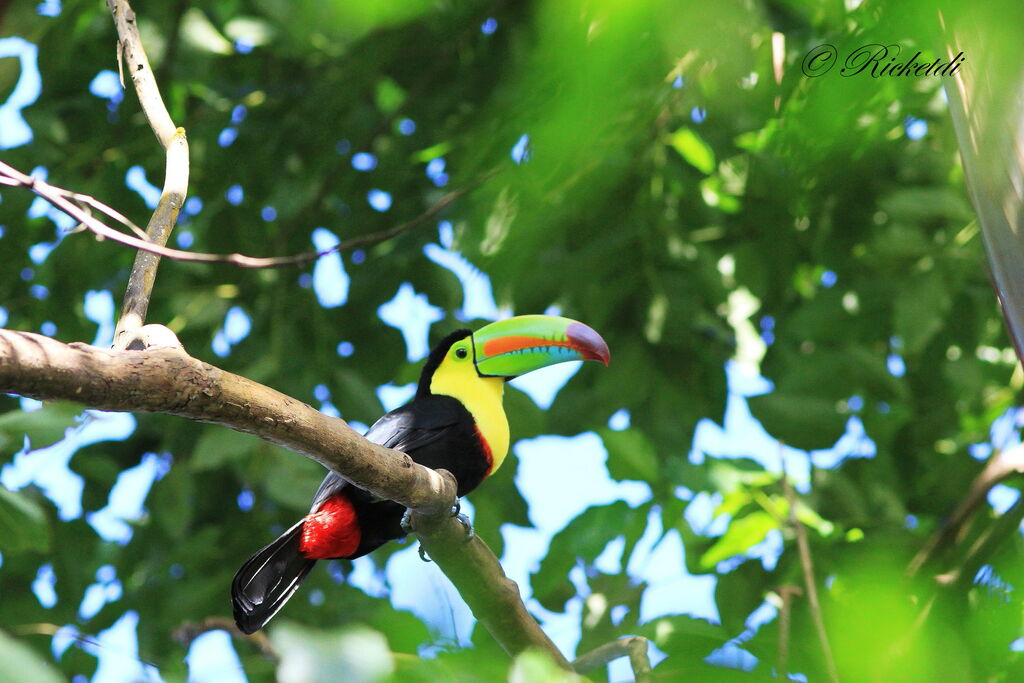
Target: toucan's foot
[407,521]
[464,521]
[423,554]
[456,507]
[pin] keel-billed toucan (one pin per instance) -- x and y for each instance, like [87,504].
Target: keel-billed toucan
[455,422]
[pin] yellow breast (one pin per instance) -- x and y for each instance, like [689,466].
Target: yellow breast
[482,398]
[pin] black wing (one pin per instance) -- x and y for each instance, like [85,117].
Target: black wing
[412,427]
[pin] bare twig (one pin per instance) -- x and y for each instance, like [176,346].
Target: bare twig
[64,200]
[190,630]
[143,275]
[1001,465]
[131,51]
[170,381]
[47,629]
[807,564]
[786,594]
[984,547]
[635,647]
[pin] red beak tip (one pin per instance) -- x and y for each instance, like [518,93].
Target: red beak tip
[589,342]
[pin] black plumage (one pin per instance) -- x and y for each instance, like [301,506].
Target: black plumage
[435,431]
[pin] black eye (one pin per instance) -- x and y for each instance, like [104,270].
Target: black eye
[461,352]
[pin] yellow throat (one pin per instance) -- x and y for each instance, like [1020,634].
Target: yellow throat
[456,376]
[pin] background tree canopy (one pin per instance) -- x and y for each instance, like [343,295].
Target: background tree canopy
[663,171]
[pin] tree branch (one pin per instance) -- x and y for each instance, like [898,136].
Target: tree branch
[984,547]
[170,381]
[129,44]
[72,203]
[495,603]
[1001,465]
[143,275]
[190,630]
[810,584]
[635,647]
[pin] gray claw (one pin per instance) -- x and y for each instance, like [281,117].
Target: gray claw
[423,554]
[464,521]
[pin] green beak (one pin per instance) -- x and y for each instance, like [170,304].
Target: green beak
[516,346]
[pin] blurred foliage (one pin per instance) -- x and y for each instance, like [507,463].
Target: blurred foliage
[669,178]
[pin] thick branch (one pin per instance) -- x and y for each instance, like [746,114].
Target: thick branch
[495,602]
[169,381]
[172,382]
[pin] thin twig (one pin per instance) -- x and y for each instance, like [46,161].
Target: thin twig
[786,594]
[47,629]
[172,198]
[134,56]
[635,647]
[984,547]
[1001,465]
[807,564]
[143,274]
[61,199]
[190,630]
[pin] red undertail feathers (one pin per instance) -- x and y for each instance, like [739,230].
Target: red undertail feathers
[332,531]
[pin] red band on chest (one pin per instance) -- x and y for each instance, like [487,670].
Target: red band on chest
[487,450]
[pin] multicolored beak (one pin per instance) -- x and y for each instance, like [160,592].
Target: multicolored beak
[516,346]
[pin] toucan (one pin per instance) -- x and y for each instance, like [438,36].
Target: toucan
[455,422]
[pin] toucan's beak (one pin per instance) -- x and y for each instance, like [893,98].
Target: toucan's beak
[516,346]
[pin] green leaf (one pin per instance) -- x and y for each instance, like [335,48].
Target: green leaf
[19,662]
[584,537]
[432,152]
[291,480]
[799,420]
[683,635]
[219,446]
[693,149]
[389,96]
[631,454]
[740,592]
[920,309]
[43,427]
[742,534]
[23,524]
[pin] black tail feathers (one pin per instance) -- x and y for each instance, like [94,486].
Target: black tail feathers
[268,579]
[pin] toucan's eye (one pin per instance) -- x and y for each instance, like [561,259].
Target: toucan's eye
[461,352]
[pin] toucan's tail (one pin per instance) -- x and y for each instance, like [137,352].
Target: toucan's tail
[268,579]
